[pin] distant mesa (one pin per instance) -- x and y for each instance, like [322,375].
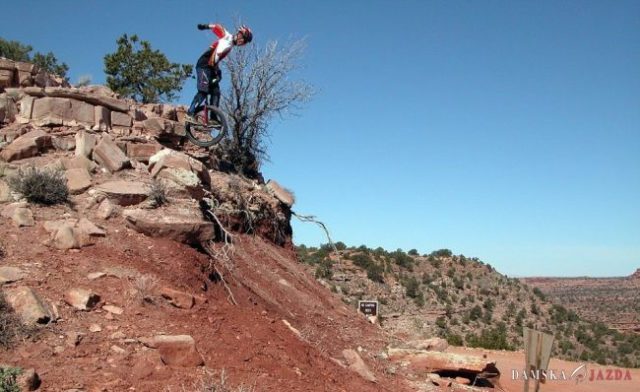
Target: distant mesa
[636,275]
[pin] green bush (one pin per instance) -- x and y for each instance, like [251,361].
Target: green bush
[539,293]
[412,287]
[41,186]
[18,51]
[402,259]
[340,245]
[324,269]
[455,340]
[362,260]
[312,255]
[488,304]
[475,313]
[364,248]
[137,71]
[441,253]
[490,338]
[8,378]
[451,272]
[419,299]
[535,309]
[375,273]
[413,252]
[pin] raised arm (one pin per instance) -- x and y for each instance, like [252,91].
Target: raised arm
[217,29]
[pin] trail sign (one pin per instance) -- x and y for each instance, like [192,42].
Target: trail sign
[537,351]
[368,308]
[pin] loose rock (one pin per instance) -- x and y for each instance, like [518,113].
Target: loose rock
[10,274]
[179,350]
[177,298]
[81,299]
[356,364]
[28,305]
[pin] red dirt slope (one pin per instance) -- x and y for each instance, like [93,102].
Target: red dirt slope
[249,341]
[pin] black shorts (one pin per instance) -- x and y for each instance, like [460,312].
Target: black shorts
[205,77]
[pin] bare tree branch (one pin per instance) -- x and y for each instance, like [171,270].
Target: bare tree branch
[261,88]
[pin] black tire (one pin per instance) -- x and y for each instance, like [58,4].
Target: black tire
[206,135]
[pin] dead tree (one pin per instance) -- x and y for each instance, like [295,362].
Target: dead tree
[261,88]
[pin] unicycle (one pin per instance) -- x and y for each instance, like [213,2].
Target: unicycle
[210,128]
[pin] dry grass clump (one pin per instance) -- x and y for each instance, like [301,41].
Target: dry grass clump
[41,186]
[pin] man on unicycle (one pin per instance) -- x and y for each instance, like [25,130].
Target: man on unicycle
[207,68]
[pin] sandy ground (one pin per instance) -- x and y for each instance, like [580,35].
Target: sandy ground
[508,361]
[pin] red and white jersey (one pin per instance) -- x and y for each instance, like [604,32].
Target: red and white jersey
[220,48]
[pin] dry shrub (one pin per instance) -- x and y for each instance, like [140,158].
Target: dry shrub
[158,193]
[142,288]
[10,326]
[211,383]
[41,186]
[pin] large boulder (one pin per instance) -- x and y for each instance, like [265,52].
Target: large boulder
[29,306]
[85,143]
[13,131]
[91,94]
[81,113]
[180,224]
[26,146]
[177,350]
[50,111]
[124,193]
[119,119]
[78,180]
[434,361]
[110,156]
[64,143]
[102,117]
[26,107]
[181,171]
[8,108]
[79,162]
[65,237]
[6,78]
[72,234]
[142,152]
[280,193]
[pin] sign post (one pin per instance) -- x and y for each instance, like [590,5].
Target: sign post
[537,351]
[369,309]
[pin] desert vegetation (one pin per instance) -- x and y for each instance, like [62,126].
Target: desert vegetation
[464,300]
[42,186]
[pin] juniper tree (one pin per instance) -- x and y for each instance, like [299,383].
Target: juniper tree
[137,71]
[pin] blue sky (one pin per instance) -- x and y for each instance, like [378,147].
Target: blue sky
[505,130]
